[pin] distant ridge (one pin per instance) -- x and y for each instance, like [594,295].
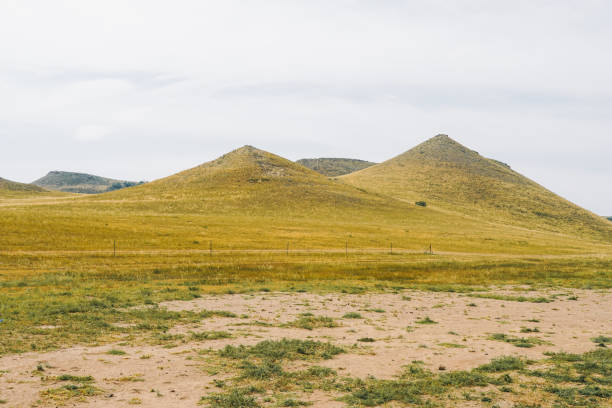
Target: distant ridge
[446,174]
[81,183]
[334,167]
[14,189]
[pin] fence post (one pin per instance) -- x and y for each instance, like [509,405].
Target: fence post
[210,248]
[114,248]
[392,248]
[287,248]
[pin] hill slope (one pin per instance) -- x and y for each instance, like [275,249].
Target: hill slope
[13,189]
[254,180]
[334,167]
[448,175]
[80,183]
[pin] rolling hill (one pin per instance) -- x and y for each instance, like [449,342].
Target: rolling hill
[13,189]
[334,167]
[249,179]
[252,199]
[451,177]
[81,183]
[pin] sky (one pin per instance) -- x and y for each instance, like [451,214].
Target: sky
[139,90]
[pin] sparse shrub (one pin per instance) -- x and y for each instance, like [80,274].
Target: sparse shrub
[233,398]
[288,349]
[352,315]
[421,203]
[210,335]
[263,371]
[426,320]
[500,364]
[310,322]
[525,342]
[602,340]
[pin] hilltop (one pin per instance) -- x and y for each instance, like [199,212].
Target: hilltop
[81,183]
[334,167]
[14,189]
[443,173]
[258,181]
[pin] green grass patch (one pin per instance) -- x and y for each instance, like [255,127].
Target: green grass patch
[312,322]
[426,320]
[524,342]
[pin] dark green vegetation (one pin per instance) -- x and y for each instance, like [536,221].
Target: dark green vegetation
[525,342]
[334,167]
[81,183]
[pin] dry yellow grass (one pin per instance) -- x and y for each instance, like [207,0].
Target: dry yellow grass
[452,177]
[250,199]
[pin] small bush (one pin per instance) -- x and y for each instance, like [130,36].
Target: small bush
[500,364]
[421,203]
[310,322]
[287,349]
[426,320]
[234,398]
[210,335]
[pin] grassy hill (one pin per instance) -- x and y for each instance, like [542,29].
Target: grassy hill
[444,174]
[13,189]
[251,199]
[81,183]
[334,167]
[249,179]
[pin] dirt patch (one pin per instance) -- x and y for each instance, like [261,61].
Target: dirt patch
[381,333]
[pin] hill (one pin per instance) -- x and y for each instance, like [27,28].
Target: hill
[334,167]
[445,174]
[81,183]
[13,189]
[255,180]
[250,199]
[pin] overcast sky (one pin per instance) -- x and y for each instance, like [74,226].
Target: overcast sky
[142,89]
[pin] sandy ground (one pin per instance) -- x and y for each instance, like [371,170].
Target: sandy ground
[177,376]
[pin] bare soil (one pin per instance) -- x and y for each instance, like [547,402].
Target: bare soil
[175,375]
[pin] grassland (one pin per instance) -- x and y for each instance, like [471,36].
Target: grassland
[449,176]
[97,270]
[12,189]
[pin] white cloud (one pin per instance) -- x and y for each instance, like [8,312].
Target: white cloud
[91,133]
[177,83]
